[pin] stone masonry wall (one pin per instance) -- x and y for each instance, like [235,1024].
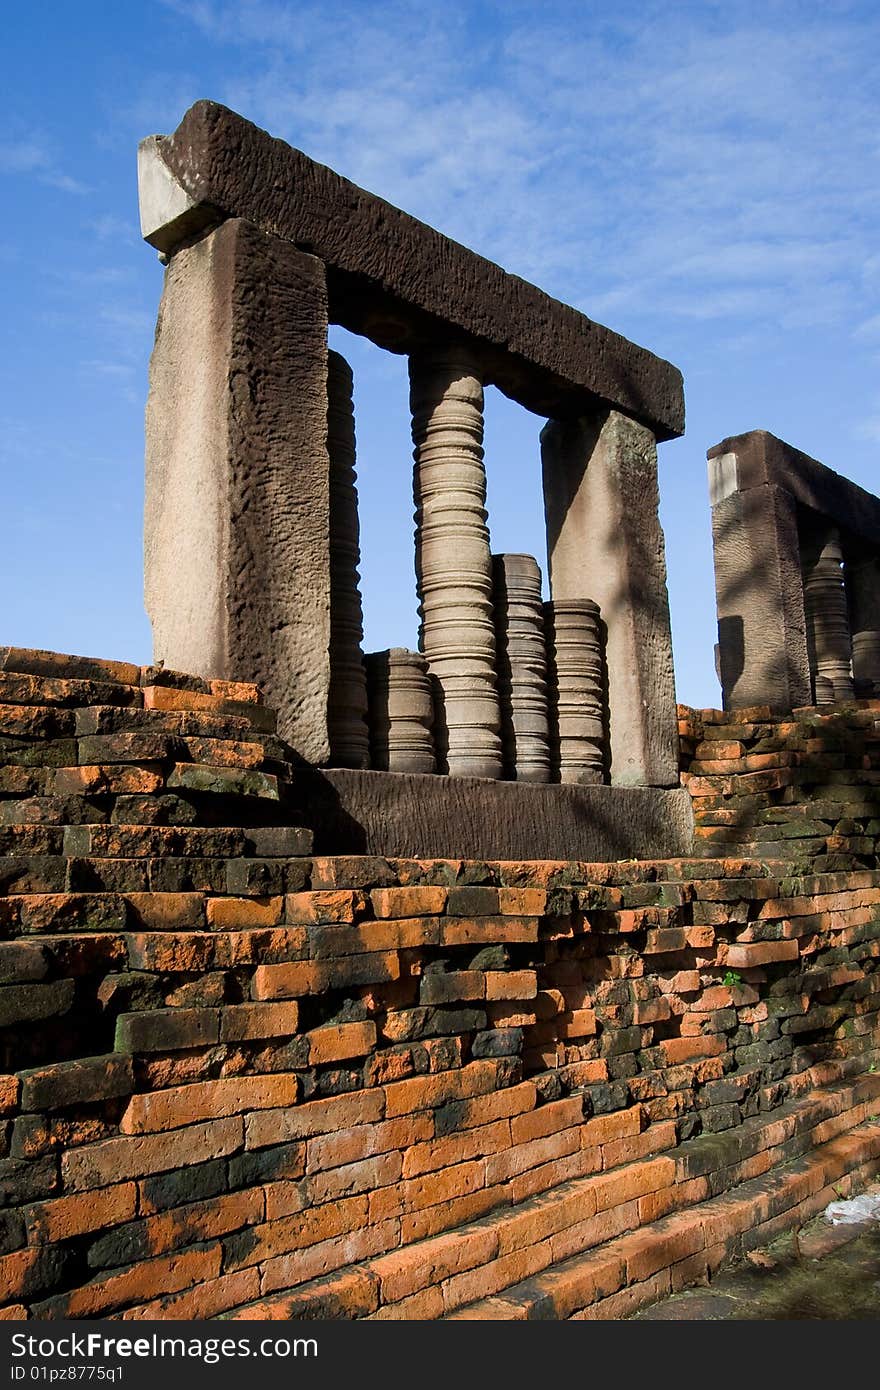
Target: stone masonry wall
[237,1079]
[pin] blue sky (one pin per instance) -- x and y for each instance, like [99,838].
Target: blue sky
[701,177]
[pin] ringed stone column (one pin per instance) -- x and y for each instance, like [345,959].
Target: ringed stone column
[604,539]
[453,561]
[347,702]
[862,579]
[237,528]
[828,638]
[522,667]
[577,695]
[401,711]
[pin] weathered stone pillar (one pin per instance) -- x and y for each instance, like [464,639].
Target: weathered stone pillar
[577,691]
[828,639]
[604,539]
[453,563]
[862,580]
[762,644]
[237,474]
[347,703]
[522,667]
[400,711]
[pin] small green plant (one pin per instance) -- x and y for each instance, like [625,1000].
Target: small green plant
[732,978]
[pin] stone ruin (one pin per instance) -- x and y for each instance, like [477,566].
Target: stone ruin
[287,1036]
[797,577]
[252,515]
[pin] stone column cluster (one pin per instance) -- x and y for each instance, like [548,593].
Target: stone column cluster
[829,646]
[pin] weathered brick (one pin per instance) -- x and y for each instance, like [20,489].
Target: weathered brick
[241,1022]
[336,1042]
[96,1165]
[67,1083]
[185,1105]
[165,1030]
[79,1214]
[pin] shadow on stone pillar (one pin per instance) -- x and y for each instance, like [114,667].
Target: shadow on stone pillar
[522,667]
[347,702]
[604,538]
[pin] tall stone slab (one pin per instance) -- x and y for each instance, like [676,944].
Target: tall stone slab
[237,560]
[453,560]
[762,642]
[347,704]
[604,540]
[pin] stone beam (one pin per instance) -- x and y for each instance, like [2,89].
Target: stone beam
[395,279]
[237,552]
[605,543]
[758,458]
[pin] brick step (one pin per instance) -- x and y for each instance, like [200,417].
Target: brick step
[626,1232]
[687,1247]
[159,808]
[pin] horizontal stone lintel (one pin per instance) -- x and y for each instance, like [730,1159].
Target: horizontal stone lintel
[395,279]
[758,459]
[410,815]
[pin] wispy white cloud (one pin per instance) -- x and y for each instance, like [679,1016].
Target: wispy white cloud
[32,156]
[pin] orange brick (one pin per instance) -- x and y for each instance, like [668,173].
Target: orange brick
[204,1301]
[617,1125]
[548,1119]
[745,957]
[229,913]
[320,906]
[580,1023]
[146,1279]
[425,1306]
[8,1094]
[625,1185]
[96,1165]
[424,1092]
[185,1105]
[367,1175]
[654,1139]
[292,979]
[77,1215]
[340,1041]
[328,1256]
[406,1271]
[680,1049]
[511,984]
[482,931]
[536,1152]
[595,1230]
[522,902]
[363,1141]
[417,901]
[495,1275]
[241,1022]
[456,1148]
[453,1212]
[266,1127]
[165,911]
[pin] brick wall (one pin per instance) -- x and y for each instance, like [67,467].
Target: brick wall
[236,1078]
